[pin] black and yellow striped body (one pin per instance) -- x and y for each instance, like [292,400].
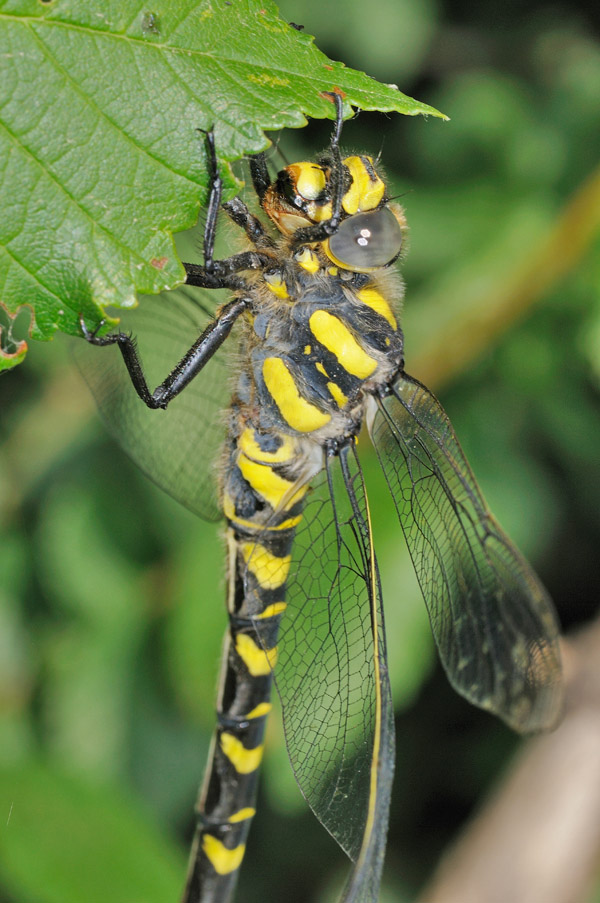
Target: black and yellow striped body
[262,516]
[319,352]
[317,339]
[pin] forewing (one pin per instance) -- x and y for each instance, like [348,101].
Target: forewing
[332,675]
[493,622]
[178,448]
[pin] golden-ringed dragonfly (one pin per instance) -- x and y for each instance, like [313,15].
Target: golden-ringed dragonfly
[313,316]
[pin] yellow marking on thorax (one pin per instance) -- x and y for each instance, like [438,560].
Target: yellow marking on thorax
[258,661]
[308,260]
[262,709]
[223,861]
[277,285]
[269,485]
[307,349]
[365,193]
[241,815]
[299,413]
[337,394]
[270,571]
[245,761]
[338,339]
[373,299]
[321,368]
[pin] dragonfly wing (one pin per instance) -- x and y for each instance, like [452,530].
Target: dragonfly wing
[176,448]
[332,674]
[493,622]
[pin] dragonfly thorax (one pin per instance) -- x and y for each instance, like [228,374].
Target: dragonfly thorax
[321,340]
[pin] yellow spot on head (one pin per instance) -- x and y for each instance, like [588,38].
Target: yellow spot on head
[309,179]
[367,189]
[318,213]
[245,761]
[337,338]
[223,861]
[299,413]
[257,660]
[270,571]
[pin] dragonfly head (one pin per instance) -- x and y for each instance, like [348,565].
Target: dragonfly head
[370,232]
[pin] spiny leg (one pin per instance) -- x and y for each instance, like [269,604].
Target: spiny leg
[214,200]
[188,367]
[322,231]
[212,274]
[221,273]
[260,175]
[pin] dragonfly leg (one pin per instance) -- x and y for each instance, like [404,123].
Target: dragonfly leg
[260,175]
[221,273]
[322,231]
[188,367]
[254,229]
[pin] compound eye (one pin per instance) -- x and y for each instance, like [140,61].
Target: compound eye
[367,241]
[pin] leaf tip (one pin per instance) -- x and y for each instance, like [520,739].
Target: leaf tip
[12,349]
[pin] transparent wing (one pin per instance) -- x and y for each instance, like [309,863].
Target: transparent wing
[493,622]
[332,675]
[177,448]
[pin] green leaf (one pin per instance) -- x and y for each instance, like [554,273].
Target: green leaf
[111,842]
[100,154]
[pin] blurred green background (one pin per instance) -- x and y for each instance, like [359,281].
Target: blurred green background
[111,595]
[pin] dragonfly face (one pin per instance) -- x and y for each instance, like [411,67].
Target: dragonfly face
[319,351]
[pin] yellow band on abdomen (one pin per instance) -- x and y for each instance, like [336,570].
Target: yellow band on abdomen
[241,815]
[274,489]
[259,711]
[222,860]
[270,570]
[248,444]
[258,661]
[243,760]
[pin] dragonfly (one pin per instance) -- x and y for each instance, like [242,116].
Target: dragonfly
[265,436]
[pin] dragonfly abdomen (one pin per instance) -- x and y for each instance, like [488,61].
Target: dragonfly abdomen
[266,480]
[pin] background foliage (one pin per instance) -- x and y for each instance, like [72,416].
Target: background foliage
[110,598]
